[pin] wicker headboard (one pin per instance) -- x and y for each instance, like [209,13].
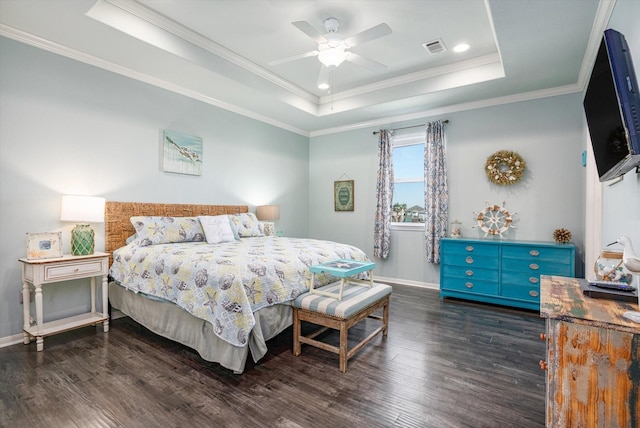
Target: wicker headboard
[117,214]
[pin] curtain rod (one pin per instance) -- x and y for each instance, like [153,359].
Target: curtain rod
[407,127]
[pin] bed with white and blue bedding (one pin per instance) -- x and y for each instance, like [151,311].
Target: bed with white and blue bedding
[208,277]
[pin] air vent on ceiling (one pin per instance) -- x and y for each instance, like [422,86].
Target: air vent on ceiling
[435,46]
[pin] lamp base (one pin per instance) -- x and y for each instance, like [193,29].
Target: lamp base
[82,240]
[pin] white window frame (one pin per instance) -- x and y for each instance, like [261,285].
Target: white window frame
[403,141]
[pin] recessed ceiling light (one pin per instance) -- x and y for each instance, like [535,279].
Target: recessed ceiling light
[323,86]
[461,47]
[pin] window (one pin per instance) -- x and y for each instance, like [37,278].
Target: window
[408,172]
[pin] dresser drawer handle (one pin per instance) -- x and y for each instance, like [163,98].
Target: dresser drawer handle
[534,253]
[533,293]
[76,270]
[534,266]
[468,284]
[533,280]
[469,248]
[469,273]
[469,259]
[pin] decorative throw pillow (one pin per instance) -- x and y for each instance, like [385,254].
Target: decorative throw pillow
[167,230]
[217,228]
[247,225]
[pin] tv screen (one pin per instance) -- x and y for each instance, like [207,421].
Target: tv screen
[612,108]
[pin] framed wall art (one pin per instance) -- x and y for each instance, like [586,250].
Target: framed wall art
[343,195]
[181,153]
[44,245]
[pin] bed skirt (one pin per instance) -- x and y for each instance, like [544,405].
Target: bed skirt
[168,320]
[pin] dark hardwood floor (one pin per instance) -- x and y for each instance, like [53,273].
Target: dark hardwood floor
[444,364]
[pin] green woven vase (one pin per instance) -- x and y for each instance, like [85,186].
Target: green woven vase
[82,242]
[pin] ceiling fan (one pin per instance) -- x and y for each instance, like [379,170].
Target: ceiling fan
[334,48]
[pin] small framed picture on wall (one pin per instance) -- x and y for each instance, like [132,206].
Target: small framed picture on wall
[343,195]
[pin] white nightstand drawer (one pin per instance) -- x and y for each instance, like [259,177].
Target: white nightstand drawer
[75,270]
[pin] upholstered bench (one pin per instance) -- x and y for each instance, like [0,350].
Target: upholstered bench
[357,303]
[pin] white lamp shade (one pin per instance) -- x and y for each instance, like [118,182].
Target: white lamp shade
[268,212]
[88,209]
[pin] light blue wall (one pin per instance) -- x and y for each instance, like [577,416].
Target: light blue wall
[69,128]
[547,133]
[621,201]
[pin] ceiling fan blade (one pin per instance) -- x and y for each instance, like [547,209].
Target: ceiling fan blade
[365,62]
[372,33]
[293,58]
[323,77]
[308,29]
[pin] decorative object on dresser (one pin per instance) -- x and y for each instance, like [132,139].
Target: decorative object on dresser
[562,235]
[505,167]
[456,229]
[44,245]
[501,272]
[592,361]
[632,263]
[40,273]
[494,220]
[82,210]
[267,214]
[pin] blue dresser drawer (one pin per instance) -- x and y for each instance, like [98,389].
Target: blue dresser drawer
[521,292]
[558,254]
[470,254]
[472,285]
[449,271]
[536,267]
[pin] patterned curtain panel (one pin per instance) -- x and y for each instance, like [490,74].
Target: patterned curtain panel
[436,193]
[384,195]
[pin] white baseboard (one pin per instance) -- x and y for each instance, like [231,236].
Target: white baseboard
[11,340]
[408,282]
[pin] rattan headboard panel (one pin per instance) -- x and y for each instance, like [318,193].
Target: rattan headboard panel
[117,217]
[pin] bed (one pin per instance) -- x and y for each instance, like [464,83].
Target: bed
[225,298]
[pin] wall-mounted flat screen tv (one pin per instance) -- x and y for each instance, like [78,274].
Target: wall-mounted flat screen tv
[612,108]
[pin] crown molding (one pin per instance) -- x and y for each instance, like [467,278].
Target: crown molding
[509,99]
[38,42]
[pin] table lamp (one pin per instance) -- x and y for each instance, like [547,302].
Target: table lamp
[82,210]
[267,214]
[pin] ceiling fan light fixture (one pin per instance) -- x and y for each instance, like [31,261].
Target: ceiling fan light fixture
[332,54]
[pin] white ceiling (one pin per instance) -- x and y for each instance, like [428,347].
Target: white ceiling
[218,51]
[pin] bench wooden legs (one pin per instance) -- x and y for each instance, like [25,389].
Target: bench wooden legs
[343,325]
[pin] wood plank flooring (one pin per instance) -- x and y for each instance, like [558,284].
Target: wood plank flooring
[445,363]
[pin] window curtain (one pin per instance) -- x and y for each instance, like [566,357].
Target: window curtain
[436,192]
[384,196]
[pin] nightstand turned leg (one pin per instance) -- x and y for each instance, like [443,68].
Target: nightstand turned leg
[39,339]
[26,298]
[105,302]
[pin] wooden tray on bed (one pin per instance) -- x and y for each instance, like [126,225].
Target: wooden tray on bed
[117,216]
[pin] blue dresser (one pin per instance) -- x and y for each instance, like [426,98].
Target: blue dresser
[501,272]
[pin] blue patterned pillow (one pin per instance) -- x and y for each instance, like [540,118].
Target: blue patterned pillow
[167,230]
[247,225]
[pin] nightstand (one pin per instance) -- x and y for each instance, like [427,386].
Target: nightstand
[43,272]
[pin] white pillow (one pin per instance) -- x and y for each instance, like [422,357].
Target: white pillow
[217,228]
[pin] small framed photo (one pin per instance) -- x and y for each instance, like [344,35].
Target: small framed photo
[343,195]
[44,245]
